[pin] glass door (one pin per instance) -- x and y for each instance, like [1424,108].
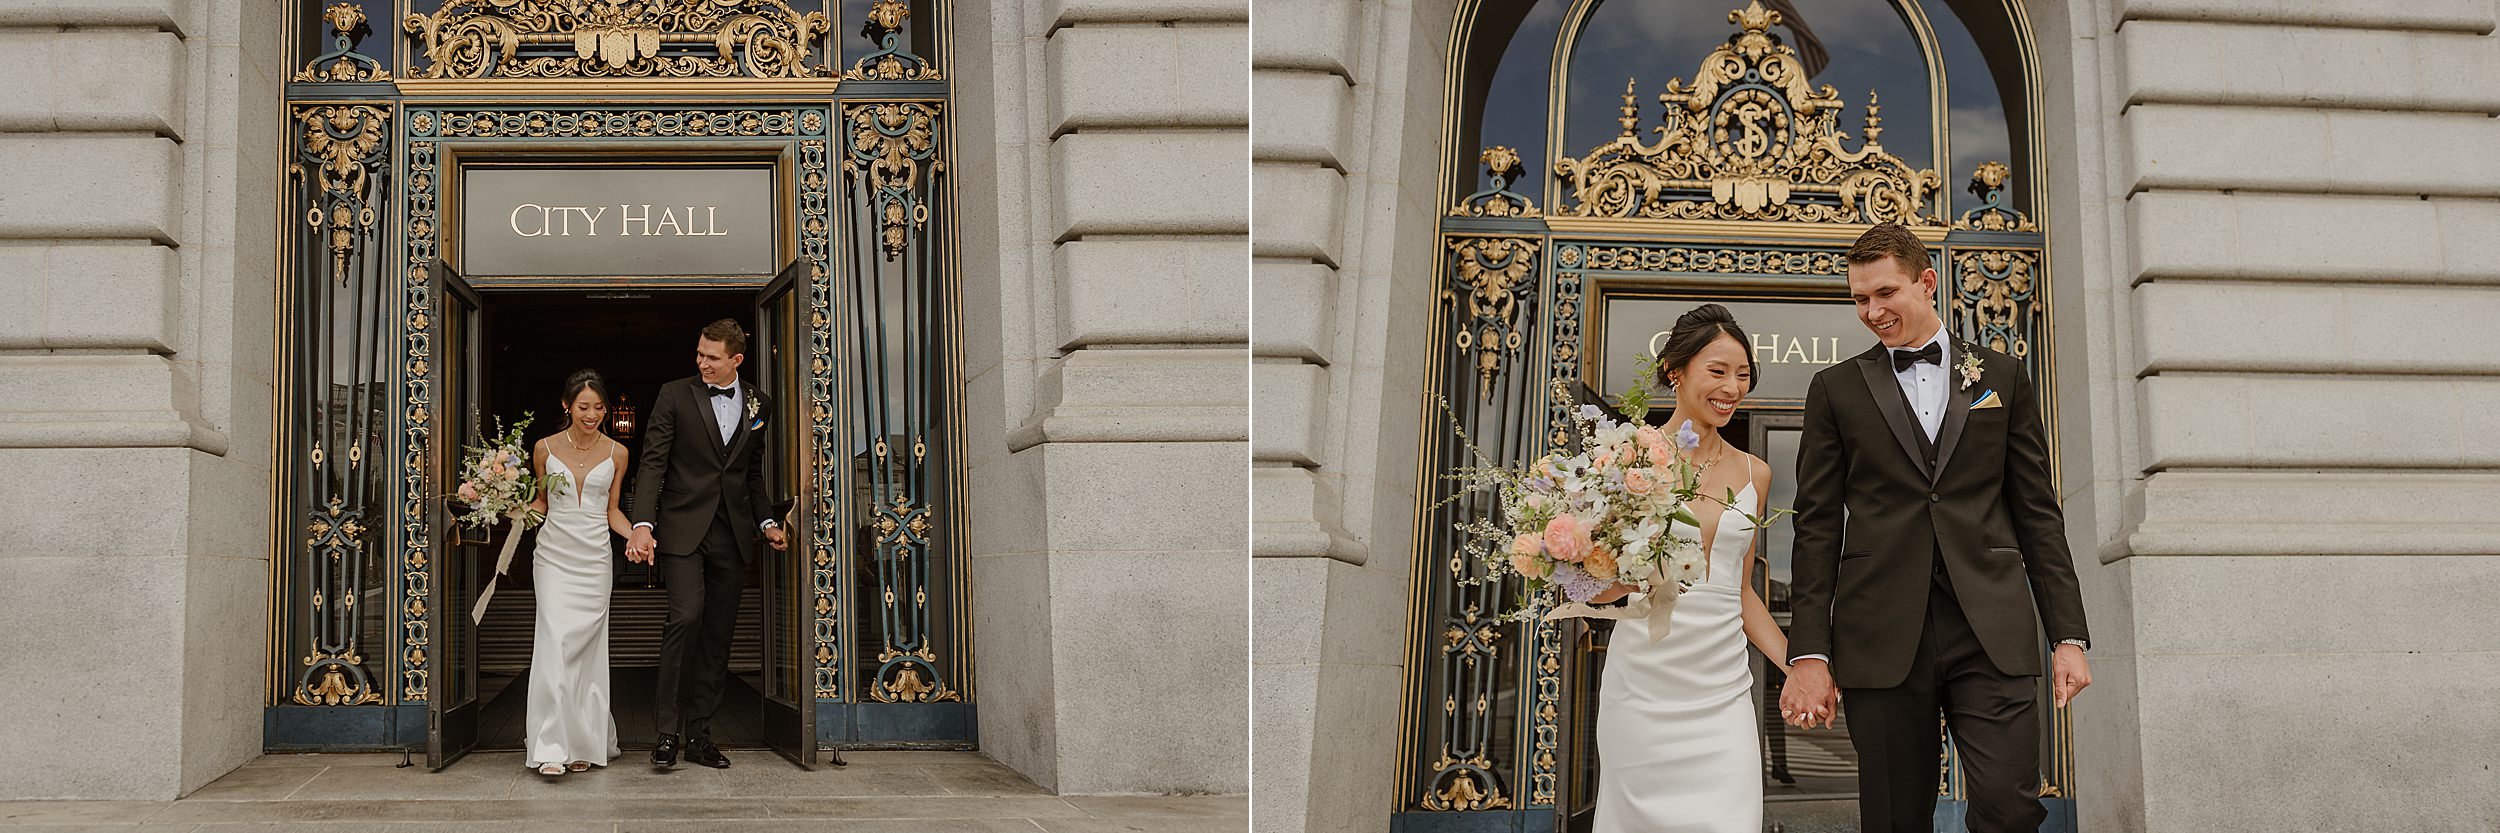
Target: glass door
[787,576]
[452,706]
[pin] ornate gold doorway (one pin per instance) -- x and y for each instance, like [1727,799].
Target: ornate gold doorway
[839,147]
[1609,164]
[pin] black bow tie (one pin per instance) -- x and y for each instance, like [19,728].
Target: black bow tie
[727,391]
[1933,354]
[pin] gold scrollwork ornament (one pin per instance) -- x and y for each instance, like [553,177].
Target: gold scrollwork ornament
[1748,140]
[617,39]
[1496,272]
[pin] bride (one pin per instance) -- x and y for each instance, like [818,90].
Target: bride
[1677,743]
[570,726]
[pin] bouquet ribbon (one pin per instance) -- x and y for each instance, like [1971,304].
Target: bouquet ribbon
[1653,606]
[502,563]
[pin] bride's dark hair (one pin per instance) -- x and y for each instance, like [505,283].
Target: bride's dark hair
[1696,329]
[585,379]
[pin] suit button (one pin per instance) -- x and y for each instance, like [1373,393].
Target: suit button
[1932,498]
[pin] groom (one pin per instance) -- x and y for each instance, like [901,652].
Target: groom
[698,503]
[1928,533]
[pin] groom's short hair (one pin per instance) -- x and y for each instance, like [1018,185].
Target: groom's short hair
[731,337]
[1891,240]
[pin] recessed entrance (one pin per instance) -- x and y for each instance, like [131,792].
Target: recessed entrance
[530,341]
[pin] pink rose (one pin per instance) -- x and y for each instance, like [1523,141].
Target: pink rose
[1647,436]
[1660,454]
[468,492]
[1526,544]
[1566,539]
[496,467]
[1605,457]
[1638,481]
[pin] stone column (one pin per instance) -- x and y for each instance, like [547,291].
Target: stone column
[1346,146]
[1105,217]
[2276,237]
[139,151]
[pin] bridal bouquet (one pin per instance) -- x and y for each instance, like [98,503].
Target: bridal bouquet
[495,484]
[1575,523]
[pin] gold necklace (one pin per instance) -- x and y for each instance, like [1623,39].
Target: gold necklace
[568,440]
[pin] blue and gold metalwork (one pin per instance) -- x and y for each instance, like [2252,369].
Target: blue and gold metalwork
[1502,164]
[889,142]
[1993,213]
[611,39]
[342,159]
[891,62]
[1495,272]
[344,63]
[891,166]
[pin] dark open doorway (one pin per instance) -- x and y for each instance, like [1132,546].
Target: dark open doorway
[638,341]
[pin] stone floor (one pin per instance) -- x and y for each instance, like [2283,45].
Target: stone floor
[878,792]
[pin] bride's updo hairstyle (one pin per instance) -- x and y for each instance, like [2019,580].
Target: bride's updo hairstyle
[585,379]
[1696,329]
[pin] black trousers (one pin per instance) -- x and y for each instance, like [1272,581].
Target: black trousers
[703,590]
[1995,728]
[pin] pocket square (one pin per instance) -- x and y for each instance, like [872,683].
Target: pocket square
[1987,400]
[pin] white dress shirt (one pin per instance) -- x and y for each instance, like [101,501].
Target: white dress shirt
[725,409]
[1926,385]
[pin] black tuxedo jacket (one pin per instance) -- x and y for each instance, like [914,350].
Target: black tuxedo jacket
[1873,517]
[688,476]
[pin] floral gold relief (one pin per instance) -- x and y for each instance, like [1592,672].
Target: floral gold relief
[617,39]
[1749,139]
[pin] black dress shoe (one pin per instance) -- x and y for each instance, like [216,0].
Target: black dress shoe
[833,757]
[665,754]
[703,752]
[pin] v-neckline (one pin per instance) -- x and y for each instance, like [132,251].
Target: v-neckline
[568,469]
[1710,537]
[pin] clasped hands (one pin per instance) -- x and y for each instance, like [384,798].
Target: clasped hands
[1809,695]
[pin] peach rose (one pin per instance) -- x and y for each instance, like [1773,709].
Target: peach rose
[468,492]
[1528,565]
[1605,457]
[1659,453]
[1638,481]
[1600,564]
[1526,544]
[1566,539]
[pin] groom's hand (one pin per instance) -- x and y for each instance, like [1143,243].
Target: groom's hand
[774,536]
[639,546]
[2071,673]
[1809,696]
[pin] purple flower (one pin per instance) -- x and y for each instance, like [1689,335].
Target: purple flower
[1577,585]
[1685,438]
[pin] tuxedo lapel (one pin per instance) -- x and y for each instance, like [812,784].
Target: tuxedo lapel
[1886,389]
[751,399]
[1957,401]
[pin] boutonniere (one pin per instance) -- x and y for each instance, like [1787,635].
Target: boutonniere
[1969,365]
[755,411]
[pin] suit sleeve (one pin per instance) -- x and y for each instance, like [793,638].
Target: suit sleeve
[1822,478]
[760,501]
[2039,524]
[659,434]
